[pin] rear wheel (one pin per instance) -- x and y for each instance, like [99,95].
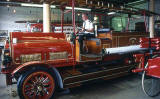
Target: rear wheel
[36,84]
[150,85]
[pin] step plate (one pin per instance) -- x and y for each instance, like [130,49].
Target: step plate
[103,74]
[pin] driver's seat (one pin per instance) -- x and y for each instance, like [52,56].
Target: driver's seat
[92,50]
[92,46]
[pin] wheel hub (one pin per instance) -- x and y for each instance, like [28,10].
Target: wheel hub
[39,88]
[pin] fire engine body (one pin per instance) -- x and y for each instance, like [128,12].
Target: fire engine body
[56,53]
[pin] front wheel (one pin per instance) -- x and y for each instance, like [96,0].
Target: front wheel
[36,84]
[150,85]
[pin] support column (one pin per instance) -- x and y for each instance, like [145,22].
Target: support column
[62,19]
[151,19]
[46,18]
[73,16]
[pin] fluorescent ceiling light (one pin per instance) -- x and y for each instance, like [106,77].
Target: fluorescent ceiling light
[31,5]
[111,13]
[135,2]
[84,9]
[35,5]
[53,6]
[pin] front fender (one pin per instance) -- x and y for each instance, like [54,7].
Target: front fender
[27,65]
[40,64]
[58,77]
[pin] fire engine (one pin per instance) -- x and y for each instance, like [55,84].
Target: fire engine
[42,63]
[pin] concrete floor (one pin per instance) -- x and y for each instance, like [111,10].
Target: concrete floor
[128,87]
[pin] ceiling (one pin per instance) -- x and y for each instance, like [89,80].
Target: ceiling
[122,6]
[78,2]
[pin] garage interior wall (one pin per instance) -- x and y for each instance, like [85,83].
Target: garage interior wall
[8,17]
[136,18]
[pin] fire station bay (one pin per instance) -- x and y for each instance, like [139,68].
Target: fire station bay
[80,49]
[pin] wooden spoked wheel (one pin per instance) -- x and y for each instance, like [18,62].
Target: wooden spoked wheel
[36,85]
[150,85]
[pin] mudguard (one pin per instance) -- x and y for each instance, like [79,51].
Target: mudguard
[33,65]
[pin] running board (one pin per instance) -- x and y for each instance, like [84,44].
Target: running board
[105,74]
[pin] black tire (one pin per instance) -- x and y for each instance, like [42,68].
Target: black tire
[28,76]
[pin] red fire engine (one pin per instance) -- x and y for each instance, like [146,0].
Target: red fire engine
[41,63]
